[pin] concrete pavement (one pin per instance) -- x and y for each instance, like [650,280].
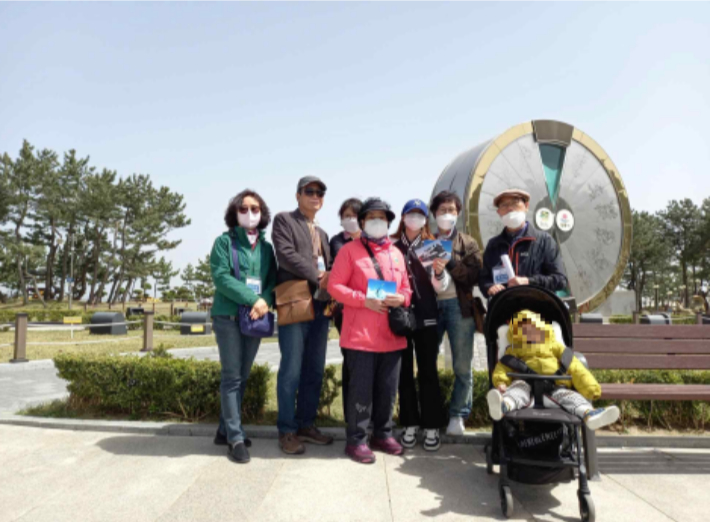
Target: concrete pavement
[80,476]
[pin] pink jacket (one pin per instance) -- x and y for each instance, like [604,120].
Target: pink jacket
[364,329]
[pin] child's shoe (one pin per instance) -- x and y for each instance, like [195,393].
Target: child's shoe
[595,419]
[496,405]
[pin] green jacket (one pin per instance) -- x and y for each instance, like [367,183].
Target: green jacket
[258,263]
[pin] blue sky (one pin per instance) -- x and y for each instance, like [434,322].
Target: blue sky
[375,99]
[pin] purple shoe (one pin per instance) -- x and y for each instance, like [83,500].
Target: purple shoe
[360,453]
[388,445]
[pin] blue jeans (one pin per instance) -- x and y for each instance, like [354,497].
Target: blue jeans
[300,378]
[236,353]
[460,331]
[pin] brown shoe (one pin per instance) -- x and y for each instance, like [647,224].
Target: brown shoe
[314,436]
[290,444]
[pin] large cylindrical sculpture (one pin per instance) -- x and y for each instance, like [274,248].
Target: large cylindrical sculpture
[577,196]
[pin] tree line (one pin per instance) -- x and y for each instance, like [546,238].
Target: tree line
[117,228]
[670,255]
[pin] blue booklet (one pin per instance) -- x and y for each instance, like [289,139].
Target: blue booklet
[434,249]
[378,289]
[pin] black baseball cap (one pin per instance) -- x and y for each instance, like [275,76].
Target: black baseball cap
[307,180]
[376,204]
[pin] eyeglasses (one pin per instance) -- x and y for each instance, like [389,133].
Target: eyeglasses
[314,192]
[245,209]
[447,210]
[512,203]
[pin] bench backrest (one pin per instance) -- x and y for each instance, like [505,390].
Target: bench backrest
[644,347]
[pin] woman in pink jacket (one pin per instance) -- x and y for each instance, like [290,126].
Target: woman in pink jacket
[372,352]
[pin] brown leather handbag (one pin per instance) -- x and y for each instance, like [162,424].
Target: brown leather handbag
[294,303]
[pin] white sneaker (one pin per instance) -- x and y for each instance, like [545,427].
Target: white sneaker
[432,442]
[409,437]
[456,427]
[595,419]
[495,404]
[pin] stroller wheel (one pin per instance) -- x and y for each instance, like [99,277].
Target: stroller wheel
[489,460]
[506,501]
[586,507]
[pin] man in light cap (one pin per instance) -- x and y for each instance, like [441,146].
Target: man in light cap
[303,254]
[534,255]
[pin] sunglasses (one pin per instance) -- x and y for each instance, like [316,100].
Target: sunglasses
[245,209]
[314,192]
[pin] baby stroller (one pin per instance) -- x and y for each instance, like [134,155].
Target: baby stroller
[536,445]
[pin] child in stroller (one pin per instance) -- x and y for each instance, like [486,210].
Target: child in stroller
[534,349]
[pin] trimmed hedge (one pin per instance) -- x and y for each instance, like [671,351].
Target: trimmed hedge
[158,385]
[155,386]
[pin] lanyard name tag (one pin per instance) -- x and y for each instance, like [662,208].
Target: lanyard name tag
[321,264]
[500,275]
[254,285]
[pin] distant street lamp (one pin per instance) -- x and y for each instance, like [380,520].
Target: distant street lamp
[655,287]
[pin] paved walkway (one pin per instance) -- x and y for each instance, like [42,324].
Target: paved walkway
[55,475]
[27,384]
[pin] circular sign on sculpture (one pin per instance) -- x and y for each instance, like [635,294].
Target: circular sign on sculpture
[565,220]
[544,219]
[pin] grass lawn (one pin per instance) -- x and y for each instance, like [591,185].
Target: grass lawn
[104,344]
[99,344]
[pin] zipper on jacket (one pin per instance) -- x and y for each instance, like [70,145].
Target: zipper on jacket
[511,250]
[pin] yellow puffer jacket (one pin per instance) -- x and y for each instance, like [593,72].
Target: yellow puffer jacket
[543,358]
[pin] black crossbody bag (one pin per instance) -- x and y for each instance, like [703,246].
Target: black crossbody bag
[401,319]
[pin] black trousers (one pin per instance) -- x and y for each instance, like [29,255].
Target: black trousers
[345,378]
[426,408]
[372,389]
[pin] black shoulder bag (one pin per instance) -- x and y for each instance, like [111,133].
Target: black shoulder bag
[401,319]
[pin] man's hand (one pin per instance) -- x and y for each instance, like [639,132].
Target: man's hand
[376,305]
[439,265]
[495,289]
[502,388]
[394,301]
[259,309]
[323,277]
[518,281]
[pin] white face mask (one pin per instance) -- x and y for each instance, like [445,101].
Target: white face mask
[513,219]
[376,228]
[446,221]
[414,222]
[249,220]
[350,225]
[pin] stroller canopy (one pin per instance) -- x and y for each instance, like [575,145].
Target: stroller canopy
[507,303]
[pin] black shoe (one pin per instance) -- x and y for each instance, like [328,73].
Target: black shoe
[221,440]
[238,453]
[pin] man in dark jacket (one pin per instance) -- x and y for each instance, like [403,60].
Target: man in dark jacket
[534,254]
[303,253]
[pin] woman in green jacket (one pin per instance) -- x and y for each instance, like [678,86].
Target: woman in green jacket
[247,216]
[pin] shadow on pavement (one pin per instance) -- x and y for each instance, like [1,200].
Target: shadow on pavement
[456,475]
[176,447]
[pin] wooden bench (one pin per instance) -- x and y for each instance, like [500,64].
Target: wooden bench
[643,347]
[646,347]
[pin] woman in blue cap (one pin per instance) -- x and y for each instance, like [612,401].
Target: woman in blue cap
[425,410]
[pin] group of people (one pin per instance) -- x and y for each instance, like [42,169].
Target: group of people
[437,299]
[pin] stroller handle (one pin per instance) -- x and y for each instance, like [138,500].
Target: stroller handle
[536,377]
